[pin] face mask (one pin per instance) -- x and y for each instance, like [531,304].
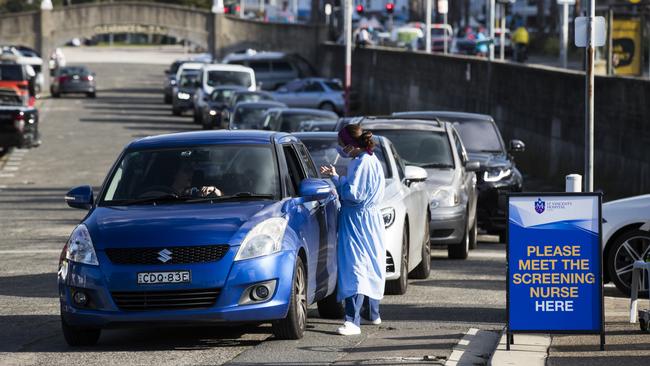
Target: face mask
[342,152]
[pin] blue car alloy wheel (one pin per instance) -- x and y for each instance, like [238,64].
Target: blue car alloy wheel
[199,228]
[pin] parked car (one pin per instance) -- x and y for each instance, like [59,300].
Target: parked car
[150,250]
[213,75]
[436,147]
[626,239]
[317,93]
[272,69]
[498,174]
[212,111]
[182,98]
[404,208]
[170,74]
[19,78]
[18,121]
[27,56]
[250,115]
[74,79]
[250,96]
[299,120]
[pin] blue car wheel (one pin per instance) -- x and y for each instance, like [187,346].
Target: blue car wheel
[294,324]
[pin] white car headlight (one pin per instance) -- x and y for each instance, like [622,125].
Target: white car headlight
[183,96]
[80,247]
[496,175]
[264,239]
[213,112]
[445,197]
[388,215]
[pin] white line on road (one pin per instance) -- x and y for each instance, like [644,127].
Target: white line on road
[10,168]
[7,175]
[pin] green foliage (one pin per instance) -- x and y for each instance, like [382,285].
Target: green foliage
[13,6]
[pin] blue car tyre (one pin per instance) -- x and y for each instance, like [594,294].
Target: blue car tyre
[294,324]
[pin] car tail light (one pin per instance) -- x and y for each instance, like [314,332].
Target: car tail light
[19,121]
[63,79]
[88,78]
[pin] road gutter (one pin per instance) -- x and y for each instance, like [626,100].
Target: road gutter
[474,348]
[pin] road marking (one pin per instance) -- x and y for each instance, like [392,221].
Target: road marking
[29,251]
[7,175]
[474,348]
[11,168]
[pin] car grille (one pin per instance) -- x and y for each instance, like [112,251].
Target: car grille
[179,255]
[390,263]
[165,300]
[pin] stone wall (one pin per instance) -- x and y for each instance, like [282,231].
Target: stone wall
[542,106]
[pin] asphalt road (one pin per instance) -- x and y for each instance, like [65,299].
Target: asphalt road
[81,139]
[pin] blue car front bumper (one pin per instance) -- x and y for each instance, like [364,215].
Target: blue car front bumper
[231,279]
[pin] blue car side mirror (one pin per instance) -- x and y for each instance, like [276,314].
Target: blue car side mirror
[312,189]
[80,197]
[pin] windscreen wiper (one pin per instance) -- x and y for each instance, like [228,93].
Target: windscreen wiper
[162,198]
[233,197]
[436,165]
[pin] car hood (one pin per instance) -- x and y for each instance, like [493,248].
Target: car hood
[439,177]
[490,160]
[175,224]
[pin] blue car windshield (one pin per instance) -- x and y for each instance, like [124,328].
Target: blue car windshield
[235,170]
[323,152]
[247,118]
[426,149]
[480,136]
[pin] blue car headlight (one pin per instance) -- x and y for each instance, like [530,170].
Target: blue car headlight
[496,175]
[264,239]
[80,247]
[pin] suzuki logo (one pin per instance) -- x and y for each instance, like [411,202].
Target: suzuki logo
[165,255]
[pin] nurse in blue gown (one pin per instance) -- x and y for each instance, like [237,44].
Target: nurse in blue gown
[361,249]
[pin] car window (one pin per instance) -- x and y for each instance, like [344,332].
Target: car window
[307,162]
[251,97]
[11,73]
[323,152]
[297,122]
[480,136]
[188,79]
[314,87]
[293,86]
[248,118]
[335,86]
[295,171]
[220,77]
[281,66]
[399,162]
[230,168]
[221,96]
[427,149]
[260,66]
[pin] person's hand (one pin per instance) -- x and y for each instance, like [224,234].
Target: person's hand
[328,171]
[210,191]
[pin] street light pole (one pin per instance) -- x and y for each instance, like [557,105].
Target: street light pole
[564,35]
[502,40]
[589,105]
[348,53]
[427,33]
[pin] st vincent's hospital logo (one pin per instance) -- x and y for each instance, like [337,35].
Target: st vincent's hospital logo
[540,206]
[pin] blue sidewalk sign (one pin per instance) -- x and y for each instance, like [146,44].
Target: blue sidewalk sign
[554,260]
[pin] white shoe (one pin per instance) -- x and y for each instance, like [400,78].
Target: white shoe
[371,322]
[349,328]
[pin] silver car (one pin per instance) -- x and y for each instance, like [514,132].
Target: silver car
[437,147]
[317,93]
[405,207]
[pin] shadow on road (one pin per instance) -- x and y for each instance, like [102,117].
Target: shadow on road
[477,284]
[431,313]
[32,285]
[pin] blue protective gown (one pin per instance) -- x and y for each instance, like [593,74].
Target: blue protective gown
[361,249]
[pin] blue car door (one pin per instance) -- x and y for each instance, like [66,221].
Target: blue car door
[310,227]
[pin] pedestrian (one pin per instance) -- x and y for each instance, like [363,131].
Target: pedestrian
[482,43]
[361,249]
[521,38]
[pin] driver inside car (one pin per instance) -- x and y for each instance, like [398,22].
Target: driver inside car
[185,182]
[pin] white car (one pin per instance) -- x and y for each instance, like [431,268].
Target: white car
[213,75]
[405,207]
[626,238]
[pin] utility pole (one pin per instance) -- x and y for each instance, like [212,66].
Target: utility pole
[348,53]
[502,40]
[427,32]
[589,105]
[564,32]
[491,15]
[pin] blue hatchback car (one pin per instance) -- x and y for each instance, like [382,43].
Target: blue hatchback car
[202,227]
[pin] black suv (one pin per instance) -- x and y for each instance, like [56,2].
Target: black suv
[498,173]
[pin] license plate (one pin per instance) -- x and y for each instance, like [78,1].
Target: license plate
[146,278]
